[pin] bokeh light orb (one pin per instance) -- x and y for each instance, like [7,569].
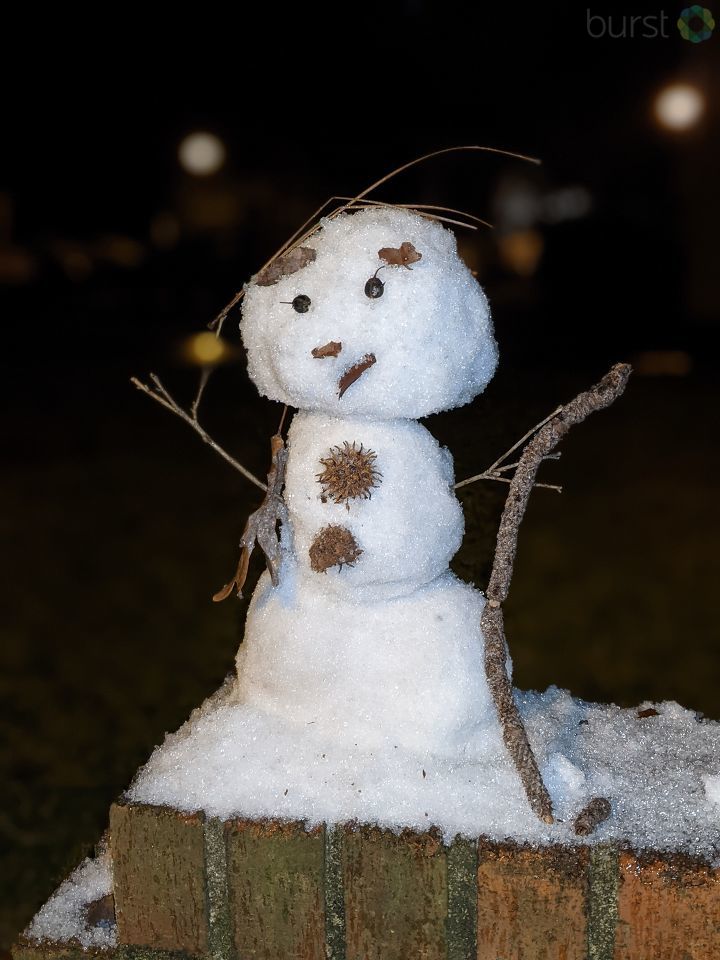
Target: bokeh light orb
[679,106]
[205,349]
[201,154]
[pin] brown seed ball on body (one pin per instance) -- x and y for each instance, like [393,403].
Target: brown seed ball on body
[349,473]
[333,546]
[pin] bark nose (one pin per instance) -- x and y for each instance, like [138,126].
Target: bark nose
[354,372]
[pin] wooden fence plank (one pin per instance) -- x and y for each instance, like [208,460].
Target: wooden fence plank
[531,903]
[275,887]
[396,895]
[159,878]
[669,908]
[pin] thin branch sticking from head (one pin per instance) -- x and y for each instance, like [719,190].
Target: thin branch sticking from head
[309,227]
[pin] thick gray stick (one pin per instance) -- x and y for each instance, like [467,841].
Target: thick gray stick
[544,442]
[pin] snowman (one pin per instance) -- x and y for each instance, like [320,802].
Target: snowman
[372,324]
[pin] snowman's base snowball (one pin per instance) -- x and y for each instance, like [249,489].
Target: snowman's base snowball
[407,671]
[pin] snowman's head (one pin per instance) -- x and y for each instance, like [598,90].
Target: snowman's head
[343,330]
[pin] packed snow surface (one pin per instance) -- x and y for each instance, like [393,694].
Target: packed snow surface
[404,673]
[659,772]
[430,331]
[408,528]
[62,918]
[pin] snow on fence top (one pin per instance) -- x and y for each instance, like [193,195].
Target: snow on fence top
[660,770]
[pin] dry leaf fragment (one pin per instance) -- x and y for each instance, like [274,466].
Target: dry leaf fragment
[261,526]
[331,349]
[401,256]
[285,265]
[355,372]
[101,912]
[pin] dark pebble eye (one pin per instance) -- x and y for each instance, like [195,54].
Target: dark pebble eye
[374,288]
[301,303]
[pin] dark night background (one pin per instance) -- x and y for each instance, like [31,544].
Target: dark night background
[119,524]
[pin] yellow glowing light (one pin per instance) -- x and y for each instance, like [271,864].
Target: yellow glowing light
[205,349]
[201,154]
[521,251]
[663,363]
[679,106]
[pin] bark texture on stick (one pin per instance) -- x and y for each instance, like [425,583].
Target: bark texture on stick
[261,526]
[543,443]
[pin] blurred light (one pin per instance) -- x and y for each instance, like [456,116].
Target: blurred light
[521,251]
[75,260]
[517,204]
[201,154]
[569,203]
[164,230]
[16,265]
[679,106]
[120,250]
[205,349]
[663,363]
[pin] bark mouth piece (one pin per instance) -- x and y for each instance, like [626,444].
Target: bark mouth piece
[354,372]
[331,349]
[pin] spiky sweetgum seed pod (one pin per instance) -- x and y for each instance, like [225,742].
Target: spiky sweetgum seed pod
[332,547]
[349,473]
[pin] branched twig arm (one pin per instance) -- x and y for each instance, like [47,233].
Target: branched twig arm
[494,470]
[496,473]
[205,375]
[541,445]
[160,395]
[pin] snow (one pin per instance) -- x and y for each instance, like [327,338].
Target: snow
[62,918]
[406,672]
[712,788]
[409,528]
[430,331]
[237,759]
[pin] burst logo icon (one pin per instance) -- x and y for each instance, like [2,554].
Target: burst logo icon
[696,24]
